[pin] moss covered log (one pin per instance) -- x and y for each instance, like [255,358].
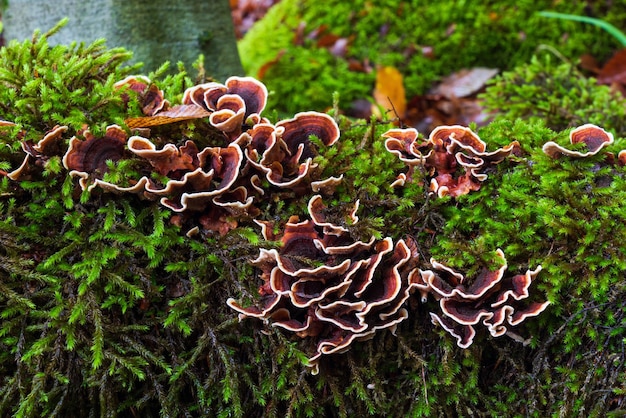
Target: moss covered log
[110,307]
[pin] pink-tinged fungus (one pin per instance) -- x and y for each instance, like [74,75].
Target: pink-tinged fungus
[594,138]
[150,97]
[217,171]
[454,158]
[91,154]
[36,154]
[328,288]
[168,159]
[496,300]
[284,152]
[87,158]
[237,102]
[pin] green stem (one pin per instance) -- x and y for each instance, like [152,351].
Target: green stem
[617,34]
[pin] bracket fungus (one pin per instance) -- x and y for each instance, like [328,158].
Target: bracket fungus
[87,158]
[594,138]
[216,185]
[326,287]
[284,152]
[238,101]
[499,301]
[37,154]
[454,157]
[150,97]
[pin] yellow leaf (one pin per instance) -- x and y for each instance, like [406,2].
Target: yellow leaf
[389,92]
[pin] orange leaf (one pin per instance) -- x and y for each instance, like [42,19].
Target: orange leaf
[614,70]
[389,91]
[175,114]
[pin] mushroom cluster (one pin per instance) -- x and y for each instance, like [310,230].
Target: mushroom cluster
[329,288]
[216,185]
[454,158]
[496,300]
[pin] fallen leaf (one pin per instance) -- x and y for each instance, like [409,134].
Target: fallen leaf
[614,70]
[465,82]
[389,91]
[175,114]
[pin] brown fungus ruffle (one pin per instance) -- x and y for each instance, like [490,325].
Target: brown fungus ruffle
[284,152]
[215,186]
[454,157]
[327,287]
[201,182]
[594,138]
[150,97]
[87,158]
[37,154]
[237,102]
[496,300]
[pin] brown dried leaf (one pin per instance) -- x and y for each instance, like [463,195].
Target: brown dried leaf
[465,82]
[175,114]
[614,70]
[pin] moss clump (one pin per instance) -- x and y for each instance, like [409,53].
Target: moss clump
[393,33]
[556,94]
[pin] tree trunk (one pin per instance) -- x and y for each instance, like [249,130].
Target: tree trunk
[154,30]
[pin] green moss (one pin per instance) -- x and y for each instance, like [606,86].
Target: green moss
[393,32]
[103,298]
[556,94]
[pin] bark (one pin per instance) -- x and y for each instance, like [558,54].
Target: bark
[154,30]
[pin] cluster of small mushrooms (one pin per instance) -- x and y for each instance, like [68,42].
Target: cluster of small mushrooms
[217,185]
[321,283]
[453,156]
[333,290]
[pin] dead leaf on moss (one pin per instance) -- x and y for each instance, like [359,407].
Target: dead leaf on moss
[175,114]
[389,91]
[465,82]
[614,70]
[452,102]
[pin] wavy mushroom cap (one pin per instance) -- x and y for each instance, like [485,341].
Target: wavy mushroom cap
[496,300]
[91,154]
[327,287]
[594,137]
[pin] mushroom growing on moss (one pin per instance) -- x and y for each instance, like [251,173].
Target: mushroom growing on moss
[238,101]
[594,138]
[499,301]
[36,154]
[454,157]
[150,97]
[328,288]
[87,158]
[284,152]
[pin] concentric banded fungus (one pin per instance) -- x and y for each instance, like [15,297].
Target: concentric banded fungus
[448,149]
[88,158]
[218,169]
[284,152]
[167,160]
[326,287]
[240,100]
[497,300]
[37,154]
[594,137]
